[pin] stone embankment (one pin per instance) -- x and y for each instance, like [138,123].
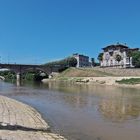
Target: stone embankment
[21,122]
[97,75]
[120,71]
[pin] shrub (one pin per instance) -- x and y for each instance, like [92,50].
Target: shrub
[136,59]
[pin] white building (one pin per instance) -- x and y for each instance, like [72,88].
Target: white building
[82,60]
[110,53]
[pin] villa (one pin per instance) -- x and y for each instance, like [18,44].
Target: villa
[111,52]
[82,60]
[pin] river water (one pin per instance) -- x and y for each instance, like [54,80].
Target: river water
[83,112]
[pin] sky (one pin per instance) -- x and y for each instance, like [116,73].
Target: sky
[39,31]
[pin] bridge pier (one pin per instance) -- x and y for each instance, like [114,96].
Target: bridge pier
[18,78]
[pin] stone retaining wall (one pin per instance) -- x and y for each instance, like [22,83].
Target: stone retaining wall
[120,71]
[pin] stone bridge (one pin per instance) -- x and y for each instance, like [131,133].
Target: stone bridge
[19,69]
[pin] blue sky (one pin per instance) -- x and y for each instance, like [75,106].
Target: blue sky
[38,31]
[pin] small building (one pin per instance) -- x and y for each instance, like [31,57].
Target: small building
[82,60]
[111,52]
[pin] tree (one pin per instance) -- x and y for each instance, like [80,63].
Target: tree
[136,59]
[129,54]
[93,63]
[118,58]
[67,62]
[100,57]
[71,62]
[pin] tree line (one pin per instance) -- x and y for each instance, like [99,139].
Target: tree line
[62,64]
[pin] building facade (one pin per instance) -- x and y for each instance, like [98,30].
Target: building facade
[111,52]
[82,60]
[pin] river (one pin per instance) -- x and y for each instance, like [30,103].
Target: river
[83,112]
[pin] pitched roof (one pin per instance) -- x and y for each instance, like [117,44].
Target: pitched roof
[115,46]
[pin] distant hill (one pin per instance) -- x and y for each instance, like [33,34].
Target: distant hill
[62,64]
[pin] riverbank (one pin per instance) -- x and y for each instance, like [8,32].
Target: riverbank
[109,81]
[22,122]
[100,72]
[101,76]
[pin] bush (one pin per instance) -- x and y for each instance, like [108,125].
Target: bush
[8,74]
[100,56]
[132,81]
[136,59]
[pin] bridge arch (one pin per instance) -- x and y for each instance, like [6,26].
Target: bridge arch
[19,69]
[34,70]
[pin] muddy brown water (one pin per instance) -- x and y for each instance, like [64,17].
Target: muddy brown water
[83,112]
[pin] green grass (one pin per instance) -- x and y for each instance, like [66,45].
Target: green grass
[131,81]
[69,79]
[63,78]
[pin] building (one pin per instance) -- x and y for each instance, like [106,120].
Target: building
[82,60]
[110,54]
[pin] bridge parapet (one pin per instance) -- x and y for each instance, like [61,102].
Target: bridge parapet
[21,68]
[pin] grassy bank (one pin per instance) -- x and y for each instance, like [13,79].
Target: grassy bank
[94,75]
[83,72]
[131,81]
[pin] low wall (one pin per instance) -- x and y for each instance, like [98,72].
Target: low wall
[120,71]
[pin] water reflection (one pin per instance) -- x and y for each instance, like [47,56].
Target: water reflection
[115,104]
[82,112]
[119,110]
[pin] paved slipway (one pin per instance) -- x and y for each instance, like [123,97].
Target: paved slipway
[21,122]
